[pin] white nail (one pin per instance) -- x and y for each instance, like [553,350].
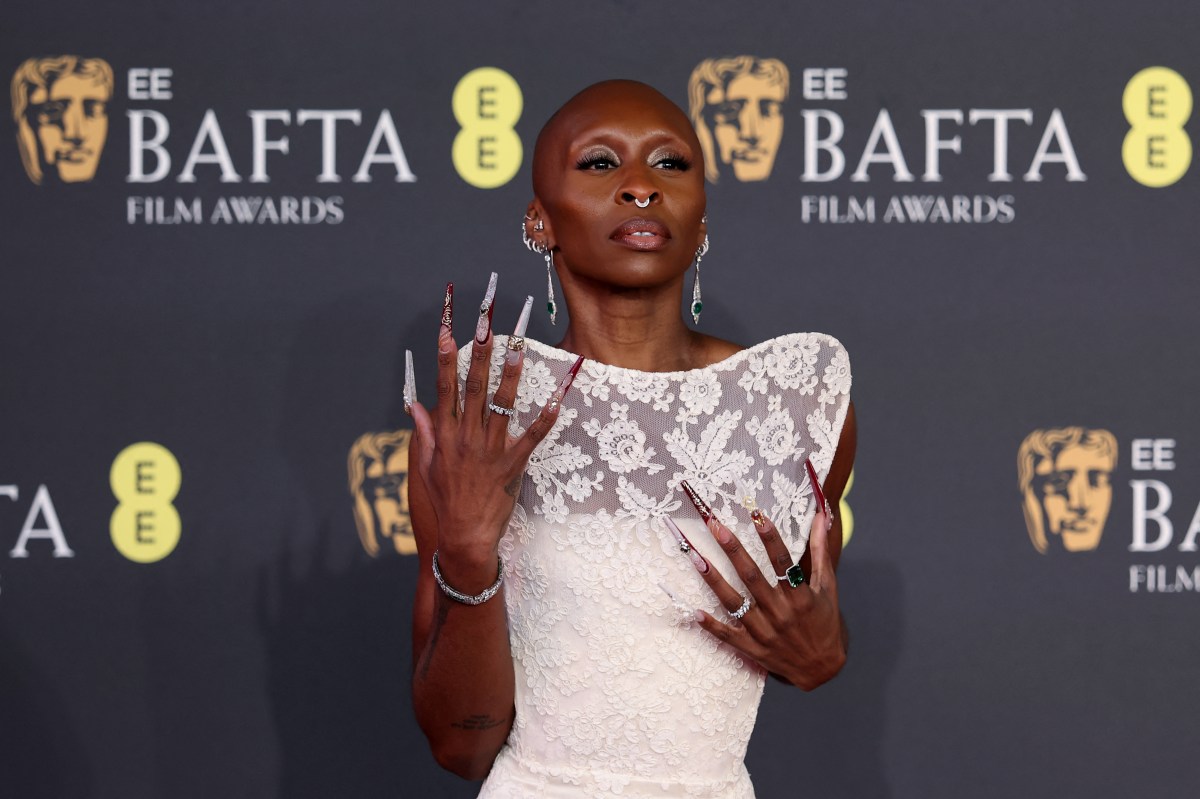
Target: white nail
[410,382]
[484,325]
[523,322]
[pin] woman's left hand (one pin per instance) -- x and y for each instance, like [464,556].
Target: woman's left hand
[793,631]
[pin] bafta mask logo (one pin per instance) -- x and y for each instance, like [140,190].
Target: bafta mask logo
[378,470]
[736,106]
[1064,476]
[60,105]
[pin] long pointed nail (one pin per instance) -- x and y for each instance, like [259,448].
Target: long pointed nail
[818,494]
[516,342]
[557,397]
[410,382]
[685,546]
[448,309]
[483,328]
[701,506]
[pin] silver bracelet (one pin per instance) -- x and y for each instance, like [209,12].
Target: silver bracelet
[467,599]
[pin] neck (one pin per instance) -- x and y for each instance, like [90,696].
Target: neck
[639,329]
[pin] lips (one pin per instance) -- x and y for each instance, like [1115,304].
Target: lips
[642,234]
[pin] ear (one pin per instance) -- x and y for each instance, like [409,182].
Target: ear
[535,213]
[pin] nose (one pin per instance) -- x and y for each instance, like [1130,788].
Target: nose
[748,123]
[1077,493]
[640,188]
[73,122]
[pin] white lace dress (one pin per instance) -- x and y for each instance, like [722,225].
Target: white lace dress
[618,691]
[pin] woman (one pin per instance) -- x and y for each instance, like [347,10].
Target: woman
[644,603]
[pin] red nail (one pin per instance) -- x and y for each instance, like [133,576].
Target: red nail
[701,506]
[448,309]
[557,397]
[816,484]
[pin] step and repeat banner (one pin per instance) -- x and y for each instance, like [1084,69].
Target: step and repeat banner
[223,223]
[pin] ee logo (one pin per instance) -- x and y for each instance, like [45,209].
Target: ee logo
[1157,150]
[845,512]
[487,103]
[145,478]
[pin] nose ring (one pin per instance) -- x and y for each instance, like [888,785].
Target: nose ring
[640,203]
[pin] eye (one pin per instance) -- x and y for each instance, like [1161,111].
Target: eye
[727,113]
[597,161]
[1058,482]
[673,161]
[51,112]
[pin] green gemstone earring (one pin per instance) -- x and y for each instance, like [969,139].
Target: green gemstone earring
[551,305]
[697,305]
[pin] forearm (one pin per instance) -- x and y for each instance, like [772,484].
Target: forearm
[463,675]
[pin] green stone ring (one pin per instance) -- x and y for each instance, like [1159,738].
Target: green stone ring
[795,576]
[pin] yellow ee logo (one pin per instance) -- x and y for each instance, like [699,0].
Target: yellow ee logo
[845,512]
[145,478]
[487,103]
[1157,150]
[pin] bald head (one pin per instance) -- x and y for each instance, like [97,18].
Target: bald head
[620,104]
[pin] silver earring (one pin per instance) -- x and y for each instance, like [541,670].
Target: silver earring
[551,306]
[701,251]
[530,244]
[697,305]
[536,246]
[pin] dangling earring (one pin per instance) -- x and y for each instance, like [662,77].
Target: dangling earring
[551,306]
[697,305]
[535,246]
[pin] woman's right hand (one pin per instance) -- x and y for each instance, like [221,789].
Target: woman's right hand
[471,466]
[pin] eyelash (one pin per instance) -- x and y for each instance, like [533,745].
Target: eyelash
[678,161]
[592,159]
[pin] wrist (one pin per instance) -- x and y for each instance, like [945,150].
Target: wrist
[468,569]
[464,597]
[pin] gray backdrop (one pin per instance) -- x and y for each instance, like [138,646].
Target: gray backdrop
[267,654]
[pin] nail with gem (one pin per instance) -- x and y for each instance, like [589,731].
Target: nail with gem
[701,506]
[516,342]
[685,546]
[483,328]
[557,397]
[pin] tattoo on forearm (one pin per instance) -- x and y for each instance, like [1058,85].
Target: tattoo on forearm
[514,486]
[477,722]
[439,619]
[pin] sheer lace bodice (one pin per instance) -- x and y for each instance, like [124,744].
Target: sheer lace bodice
[618,691]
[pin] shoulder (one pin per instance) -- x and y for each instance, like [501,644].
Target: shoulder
[710,349]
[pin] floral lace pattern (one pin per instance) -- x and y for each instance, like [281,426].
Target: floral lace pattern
[619,692]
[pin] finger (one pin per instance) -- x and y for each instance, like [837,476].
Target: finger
[737,637]
[475,388]
[506,393]
[543,423]
[730,598]
[743,564]
[423,441]
[777,549]
[447,372]
[818,545]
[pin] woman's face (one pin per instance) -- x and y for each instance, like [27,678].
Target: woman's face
[612,146]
